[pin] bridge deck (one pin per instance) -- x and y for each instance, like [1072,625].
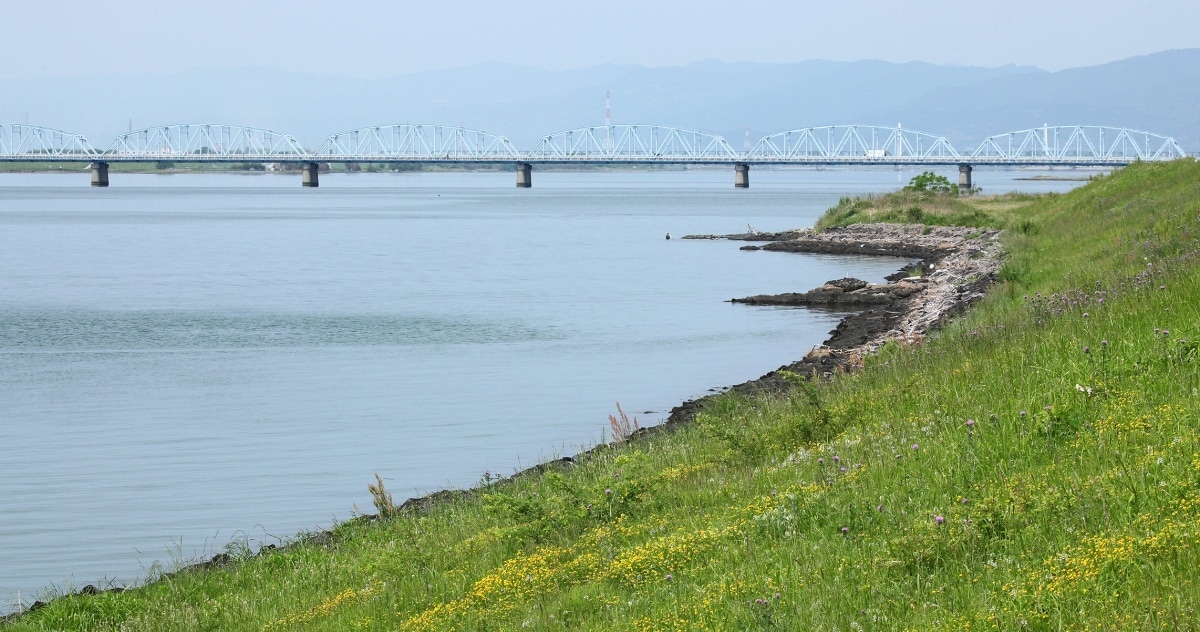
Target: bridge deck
[665,160]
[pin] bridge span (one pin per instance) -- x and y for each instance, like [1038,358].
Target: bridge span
[867,145]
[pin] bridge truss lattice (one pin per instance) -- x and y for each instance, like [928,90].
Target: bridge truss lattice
[633,143]
[1077,143]
[205,142]
[30,142]
[853,143]
[417,143]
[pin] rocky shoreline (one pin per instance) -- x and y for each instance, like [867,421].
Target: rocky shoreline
[956,265]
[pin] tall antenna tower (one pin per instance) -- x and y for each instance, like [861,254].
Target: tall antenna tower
[608,120]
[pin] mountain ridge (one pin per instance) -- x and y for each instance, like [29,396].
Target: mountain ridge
[1153,93]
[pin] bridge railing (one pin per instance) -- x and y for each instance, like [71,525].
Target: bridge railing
[205,141]
[33,142]
[851,144]
[641,143]
[413,142]
[859,143]
[1075,143]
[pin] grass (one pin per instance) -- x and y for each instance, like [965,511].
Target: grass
[924,207]
[1034,465]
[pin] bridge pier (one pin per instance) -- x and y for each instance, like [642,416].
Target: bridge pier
[99,174]
[309,175]
[741,176]
[964,179]
[524,175]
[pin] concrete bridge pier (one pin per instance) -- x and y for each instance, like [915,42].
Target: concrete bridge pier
[741,176]
[964,179]
[309,175]
[99,174]
[524,175]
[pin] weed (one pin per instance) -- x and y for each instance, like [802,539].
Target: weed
[381,498]
[622,427]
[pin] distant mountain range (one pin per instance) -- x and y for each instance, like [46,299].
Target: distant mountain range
[1157,93]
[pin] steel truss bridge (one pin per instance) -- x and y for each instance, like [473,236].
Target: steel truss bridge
[1073,146]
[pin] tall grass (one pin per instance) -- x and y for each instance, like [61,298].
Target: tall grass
[1034,465]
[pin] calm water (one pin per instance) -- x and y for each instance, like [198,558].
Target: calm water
[189,359]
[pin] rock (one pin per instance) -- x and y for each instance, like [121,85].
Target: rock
[848,284]
[905,289]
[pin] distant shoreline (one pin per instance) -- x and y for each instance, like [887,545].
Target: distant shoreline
[1041,178]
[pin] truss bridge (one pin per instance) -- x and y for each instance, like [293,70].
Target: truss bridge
[1065,146]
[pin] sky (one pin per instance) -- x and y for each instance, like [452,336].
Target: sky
[385,38]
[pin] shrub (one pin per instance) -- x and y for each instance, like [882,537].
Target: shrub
[931,182]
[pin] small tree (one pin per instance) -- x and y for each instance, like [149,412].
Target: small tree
[932,183]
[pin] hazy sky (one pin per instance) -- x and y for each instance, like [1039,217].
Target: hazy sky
[380,38]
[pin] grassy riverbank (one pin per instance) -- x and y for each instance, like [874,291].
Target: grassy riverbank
[1036,464]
